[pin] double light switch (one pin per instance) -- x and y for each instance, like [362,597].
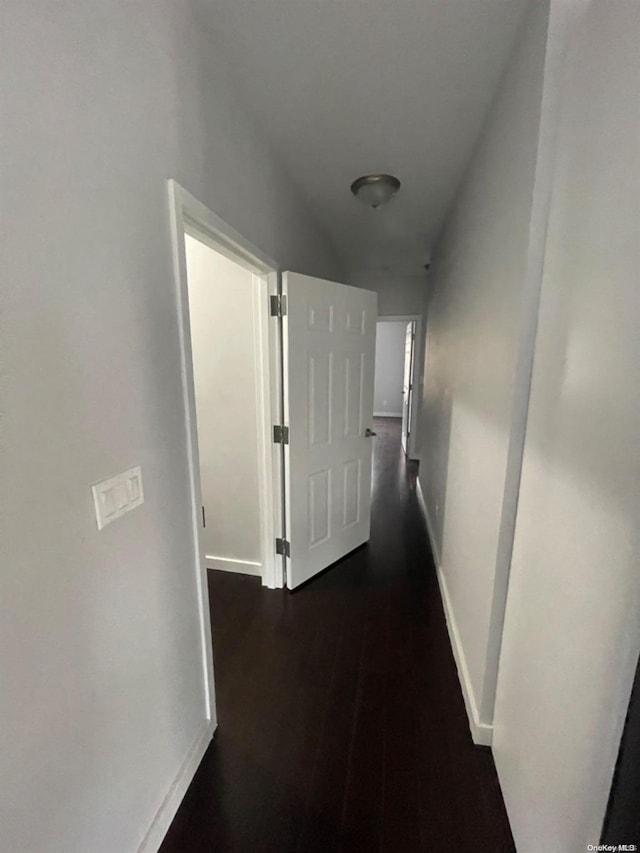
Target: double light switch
[117,495]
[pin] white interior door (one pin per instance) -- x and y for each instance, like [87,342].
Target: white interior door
[407,384]
[329,335]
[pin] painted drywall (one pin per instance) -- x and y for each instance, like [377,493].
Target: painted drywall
[101,666]
[397,294]
[572,626]
[224,372]
[390,345]
[477,298]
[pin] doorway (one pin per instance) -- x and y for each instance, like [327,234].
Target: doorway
[397,374]
[224,350]
[190,218]
[313,357]
[314,354]
[231,390]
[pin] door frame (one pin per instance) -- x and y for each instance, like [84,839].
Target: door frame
[418,357]
[190,216]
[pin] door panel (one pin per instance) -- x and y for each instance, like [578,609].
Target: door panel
[329,352]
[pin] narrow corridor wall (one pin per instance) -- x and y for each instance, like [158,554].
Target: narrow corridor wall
[397,293]
[102,697]
[572,627]
[476,302]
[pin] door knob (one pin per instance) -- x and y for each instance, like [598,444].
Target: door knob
[368,433]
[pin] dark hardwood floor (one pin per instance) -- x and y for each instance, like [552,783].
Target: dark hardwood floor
[341,721]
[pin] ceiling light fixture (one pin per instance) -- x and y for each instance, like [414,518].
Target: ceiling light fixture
[374,190]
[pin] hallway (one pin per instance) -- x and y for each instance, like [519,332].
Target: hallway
[341,722]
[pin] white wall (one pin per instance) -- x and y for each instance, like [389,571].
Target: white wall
[390,345]
[224,371]
[476,308]
[397,293]
[101,665]
[572,628]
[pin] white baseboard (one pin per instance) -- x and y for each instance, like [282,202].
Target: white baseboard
[387,414]
[481,733]
[169,806]
[425,513]
[228,564]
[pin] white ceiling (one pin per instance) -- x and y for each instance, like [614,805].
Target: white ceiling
[347,87]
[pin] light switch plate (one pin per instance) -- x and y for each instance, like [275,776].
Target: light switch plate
[118,495]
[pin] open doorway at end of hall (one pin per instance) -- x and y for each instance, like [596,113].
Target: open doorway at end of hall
[397,374]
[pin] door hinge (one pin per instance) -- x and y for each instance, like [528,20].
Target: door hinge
[283,547]
[278,305]
[281,434]
[204,518]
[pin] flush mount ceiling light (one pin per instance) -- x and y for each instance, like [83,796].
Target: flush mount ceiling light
[374,190]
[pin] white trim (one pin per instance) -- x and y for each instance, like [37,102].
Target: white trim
[188,215]
[214,231]
[230,564]
[266,484]
[425,514]
[178,206]
[278,451]
[178,788]
[481,733]
[203,224]
[387,414]
[418,375]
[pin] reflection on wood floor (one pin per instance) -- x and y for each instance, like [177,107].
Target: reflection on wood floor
[341,721]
